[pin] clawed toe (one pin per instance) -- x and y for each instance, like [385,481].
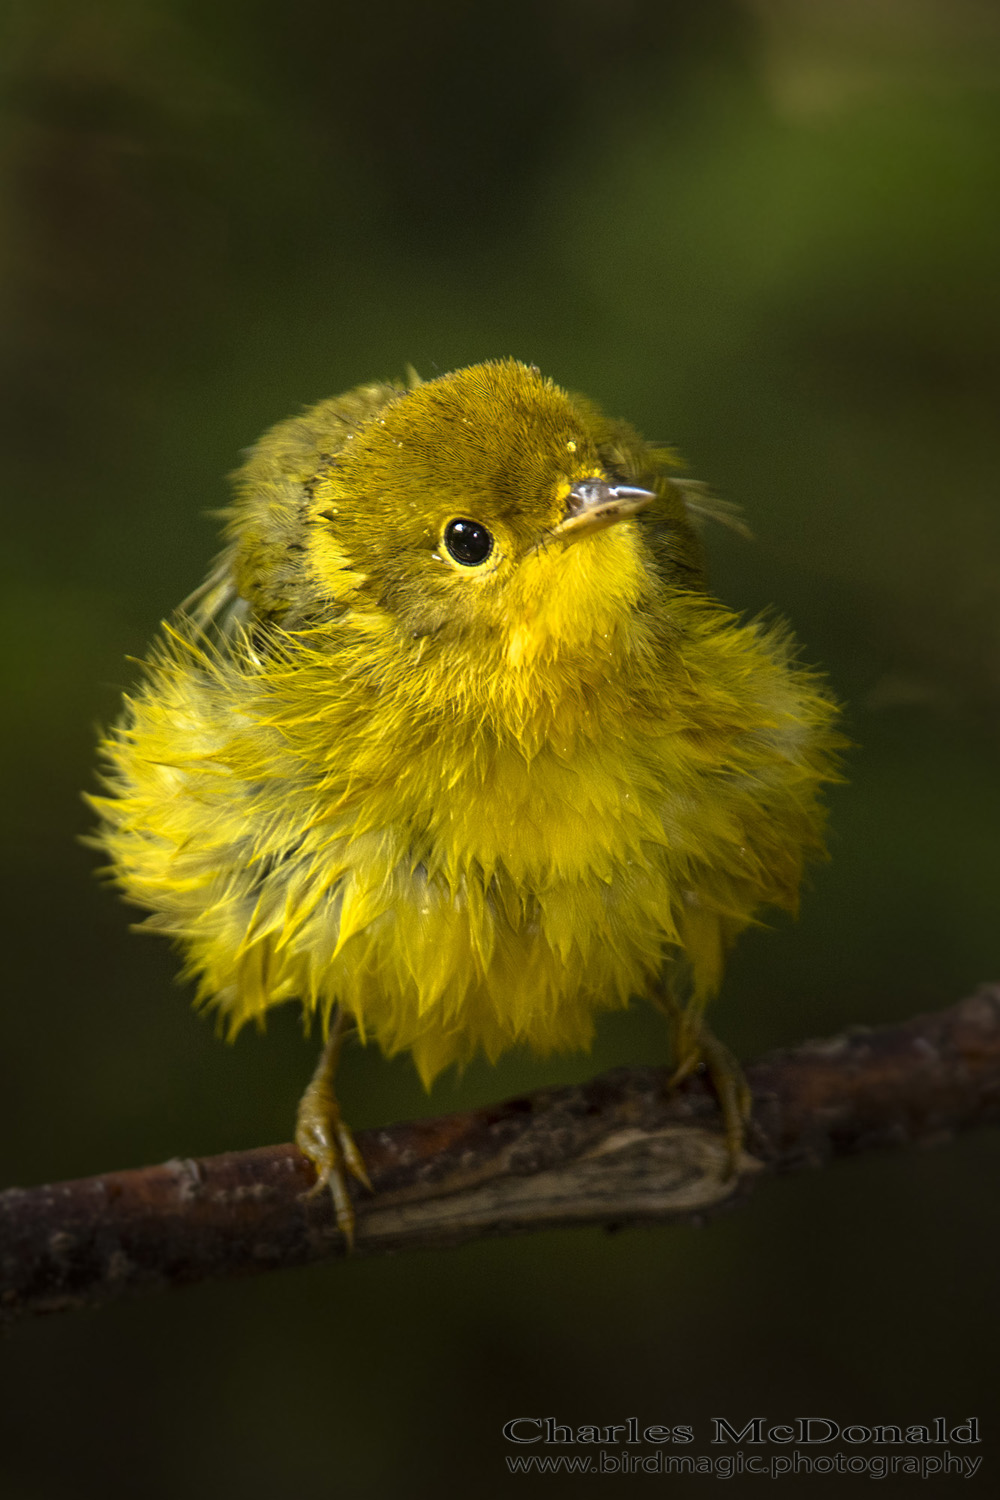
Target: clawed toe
[322,1136]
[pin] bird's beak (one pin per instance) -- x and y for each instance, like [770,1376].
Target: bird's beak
[594,503]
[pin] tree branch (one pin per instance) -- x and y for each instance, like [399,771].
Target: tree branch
[617,1150]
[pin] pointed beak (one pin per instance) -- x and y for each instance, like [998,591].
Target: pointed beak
[594,503]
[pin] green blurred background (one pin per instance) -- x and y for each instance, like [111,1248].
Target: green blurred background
[763,230]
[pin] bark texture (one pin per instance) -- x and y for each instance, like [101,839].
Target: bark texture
[620,1149]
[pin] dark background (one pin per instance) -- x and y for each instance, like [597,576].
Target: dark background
[764,231]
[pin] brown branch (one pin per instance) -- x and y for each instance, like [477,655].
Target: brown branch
[617,1150]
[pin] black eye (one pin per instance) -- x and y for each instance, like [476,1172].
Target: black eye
[468,542]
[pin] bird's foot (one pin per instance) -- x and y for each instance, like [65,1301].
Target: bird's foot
[696,1046]
[322,1136]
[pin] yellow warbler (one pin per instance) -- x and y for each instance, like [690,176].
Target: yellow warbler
[454,747]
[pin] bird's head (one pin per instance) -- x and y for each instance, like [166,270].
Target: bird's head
[488,508]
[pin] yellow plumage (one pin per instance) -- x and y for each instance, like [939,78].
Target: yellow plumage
[469,803]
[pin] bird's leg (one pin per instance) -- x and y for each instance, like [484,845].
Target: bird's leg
[693,1045]
[322,1136]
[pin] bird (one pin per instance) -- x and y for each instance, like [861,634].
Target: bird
[455,748]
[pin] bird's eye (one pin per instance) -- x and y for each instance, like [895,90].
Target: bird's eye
[468,542]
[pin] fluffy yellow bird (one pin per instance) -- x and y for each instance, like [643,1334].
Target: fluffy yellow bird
[454,747]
